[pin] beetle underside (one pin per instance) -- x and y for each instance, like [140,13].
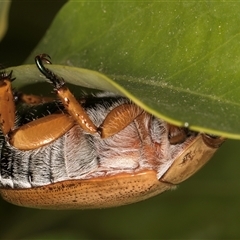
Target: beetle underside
[101,151]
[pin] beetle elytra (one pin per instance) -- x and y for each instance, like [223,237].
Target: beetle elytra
[101,151]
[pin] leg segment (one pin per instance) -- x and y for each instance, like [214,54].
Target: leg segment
[118,119]
[115,121]
[34,134]
[176,135]
[31,99]
[44,130]
[69,101]
[40,132]
[7,105]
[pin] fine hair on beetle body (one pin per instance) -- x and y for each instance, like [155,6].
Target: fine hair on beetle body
[102,151]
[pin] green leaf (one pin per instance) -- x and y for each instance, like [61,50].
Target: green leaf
[4,10]
[30,75]
[177,60]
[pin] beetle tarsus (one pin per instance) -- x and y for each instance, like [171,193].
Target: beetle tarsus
[9,76]
[57,81]
[4,75]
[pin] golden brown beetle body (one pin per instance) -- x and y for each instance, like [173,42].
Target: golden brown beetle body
[101,153]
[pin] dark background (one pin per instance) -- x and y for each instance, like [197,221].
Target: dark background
[28,21]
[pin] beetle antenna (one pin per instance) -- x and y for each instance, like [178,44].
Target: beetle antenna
[57,81]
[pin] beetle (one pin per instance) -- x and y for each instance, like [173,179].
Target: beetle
[98,151]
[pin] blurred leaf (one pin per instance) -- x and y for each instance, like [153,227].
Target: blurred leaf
[4,10]
[177,60]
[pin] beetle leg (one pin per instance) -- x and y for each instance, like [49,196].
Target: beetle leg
[30,99]
[7,105]
[176,134]
[34,134]
[41,131]
[115,121]
[118,119]
[69,101]
[213,141]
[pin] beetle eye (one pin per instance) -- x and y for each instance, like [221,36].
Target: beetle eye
[212,141]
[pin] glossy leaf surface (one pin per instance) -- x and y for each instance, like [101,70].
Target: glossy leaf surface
[178,60]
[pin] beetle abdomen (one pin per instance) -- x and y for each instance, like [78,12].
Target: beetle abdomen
[75,155]
[48,164]
[93,193]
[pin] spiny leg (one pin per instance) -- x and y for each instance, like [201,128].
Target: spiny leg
[30,99]
[69,101]
[44,130]
[115,121]
[7,104]
[34,134]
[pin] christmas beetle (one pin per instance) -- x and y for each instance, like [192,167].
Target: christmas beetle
[96,152]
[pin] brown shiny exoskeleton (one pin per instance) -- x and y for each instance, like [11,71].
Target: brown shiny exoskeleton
[102,151]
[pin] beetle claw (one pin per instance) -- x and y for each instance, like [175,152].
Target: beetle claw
[44,57]
[57,81]
[4,75]
[9,76]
